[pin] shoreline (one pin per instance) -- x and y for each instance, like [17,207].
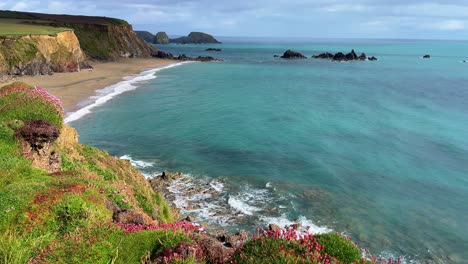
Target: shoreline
[77,89]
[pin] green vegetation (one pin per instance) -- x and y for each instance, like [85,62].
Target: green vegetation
[20,27]
[340,247]
[62,217]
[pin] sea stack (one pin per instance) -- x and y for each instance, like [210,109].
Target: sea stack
[161,38]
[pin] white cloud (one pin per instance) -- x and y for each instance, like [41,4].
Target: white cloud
[449,25]
[21,6]
[345,8]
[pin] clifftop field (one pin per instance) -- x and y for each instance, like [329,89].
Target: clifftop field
[20,27]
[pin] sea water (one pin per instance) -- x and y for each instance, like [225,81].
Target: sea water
[377,150]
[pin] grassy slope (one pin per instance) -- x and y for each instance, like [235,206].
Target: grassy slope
[21,27]
[61,213]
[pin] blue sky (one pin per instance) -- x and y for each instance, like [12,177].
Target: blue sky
[440,19]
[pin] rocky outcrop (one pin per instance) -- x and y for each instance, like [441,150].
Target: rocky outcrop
[40,54]
[340,56]
[326,55]
[290,54]
[183,57]
[213,49]
[145,35]
[161,38]
[195,38]
[37,139]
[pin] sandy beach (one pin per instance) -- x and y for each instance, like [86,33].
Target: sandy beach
[73,88]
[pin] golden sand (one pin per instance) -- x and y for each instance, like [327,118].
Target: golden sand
[73,88]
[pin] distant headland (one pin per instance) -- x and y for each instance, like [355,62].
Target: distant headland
[192,38]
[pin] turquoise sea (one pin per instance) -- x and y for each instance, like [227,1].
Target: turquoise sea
[377,150]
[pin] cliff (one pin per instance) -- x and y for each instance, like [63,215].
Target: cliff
[195,38]
[100,38]
[40,54]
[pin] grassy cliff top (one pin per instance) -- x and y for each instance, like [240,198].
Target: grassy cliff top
[20,27]
[67,19]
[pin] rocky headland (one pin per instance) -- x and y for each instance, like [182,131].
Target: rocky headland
[196,38]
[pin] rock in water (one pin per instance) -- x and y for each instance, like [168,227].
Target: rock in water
[326,55]
[213,49]
[161,38]
[362,57]
[290,54]
[372,58]
[339,56]
[427,56]
[351,56]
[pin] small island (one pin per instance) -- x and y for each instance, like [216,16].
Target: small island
[196,38]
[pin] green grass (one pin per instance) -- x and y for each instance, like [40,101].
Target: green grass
[340,247]
[65,215]
[22,27]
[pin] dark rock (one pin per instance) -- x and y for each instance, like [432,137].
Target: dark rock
[84,65]
[339,56]
[189,219]
[183,57]
[195,38]
[236,240]
[290,54]
[326,55]
[161,38]
[274,227]
[362,57]
[128,217]
[213,49]
[372,58]
[275,56]
[427,56]
[351,56]
[213,250]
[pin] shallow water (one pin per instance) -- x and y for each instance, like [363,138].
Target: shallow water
[378,150]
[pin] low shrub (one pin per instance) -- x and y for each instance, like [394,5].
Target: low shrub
[340,247]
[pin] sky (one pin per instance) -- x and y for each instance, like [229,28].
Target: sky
[404,19]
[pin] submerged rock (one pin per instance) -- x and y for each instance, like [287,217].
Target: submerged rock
[427,56]
[213,49]
[290,54]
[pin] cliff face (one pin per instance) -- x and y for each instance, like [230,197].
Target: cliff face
[101,38]
[40,54]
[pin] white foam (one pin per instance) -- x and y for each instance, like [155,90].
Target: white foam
[104,95]
[306,224]
[139,164]
[241,206]
[218,186]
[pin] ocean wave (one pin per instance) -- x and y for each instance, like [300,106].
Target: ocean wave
[104,95]
[139,164]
